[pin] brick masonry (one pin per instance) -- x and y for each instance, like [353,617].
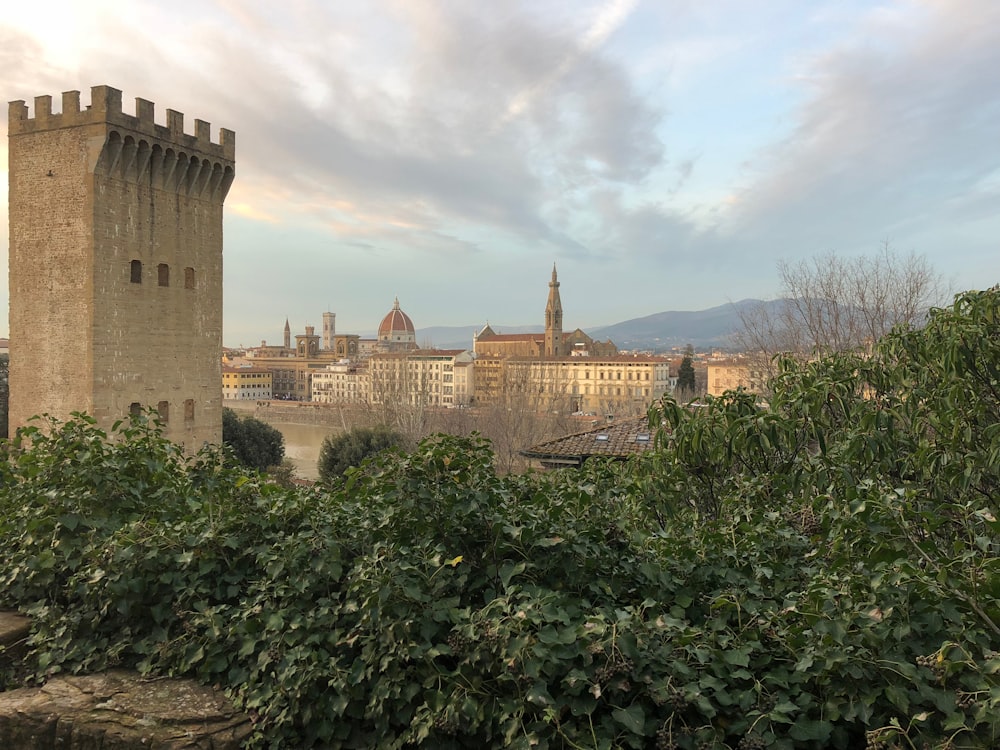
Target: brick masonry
[93,193]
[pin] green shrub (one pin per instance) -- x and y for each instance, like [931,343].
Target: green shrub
[338,453]
[820,571]
[254,444]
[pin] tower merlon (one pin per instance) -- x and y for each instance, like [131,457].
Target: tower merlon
[106,108]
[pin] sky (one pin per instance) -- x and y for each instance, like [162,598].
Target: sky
[664,154]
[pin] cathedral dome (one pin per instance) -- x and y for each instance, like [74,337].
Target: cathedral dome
[396,327]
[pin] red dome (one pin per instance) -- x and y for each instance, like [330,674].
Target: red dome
[395,323]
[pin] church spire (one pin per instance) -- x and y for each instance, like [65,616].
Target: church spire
[288,335]
[553,319]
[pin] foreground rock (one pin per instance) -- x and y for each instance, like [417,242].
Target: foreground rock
[14,630]
[119,710]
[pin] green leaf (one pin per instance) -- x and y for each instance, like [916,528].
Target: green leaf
[539,695]
[810,730]
[632,718]
[898,696]
[549,541]
[737,657]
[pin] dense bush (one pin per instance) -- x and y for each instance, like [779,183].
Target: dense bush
[820,571]
[254,444]
[338,453]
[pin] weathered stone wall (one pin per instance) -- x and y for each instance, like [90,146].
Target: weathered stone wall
[343,416]
[115,710]
[91,192]
[50,205]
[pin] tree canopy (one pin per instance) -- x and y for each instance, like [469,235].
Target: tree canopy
[340,452]
[830,303]
[255,444]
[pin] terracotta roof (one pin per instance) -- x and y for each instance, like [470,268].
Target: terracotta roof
[616,440]
[395,321]
[513,337]
[416,353]
[438,352]
[614,359]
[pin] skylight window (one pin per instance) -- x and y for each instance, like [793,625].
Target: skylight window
[602,437]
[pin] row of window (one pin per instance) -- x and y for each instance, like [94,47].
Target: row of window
[162,274]
[617,375]
[163,410]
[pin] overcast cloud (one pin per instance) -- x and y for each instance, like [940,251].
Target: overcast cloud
[664,154]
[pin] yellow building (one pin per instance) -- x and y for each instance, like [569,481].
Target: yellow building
[465,382]
[569,372]
[245,383]
[731,374]
[419,377]
[601,385]
[343,382]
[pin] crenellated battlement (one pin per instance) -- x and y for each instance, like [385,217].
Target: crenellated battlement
[106,108]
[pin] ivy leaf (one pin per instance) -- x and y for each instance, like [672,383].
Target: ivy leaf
[810,730]
[898,697]
[539,695]
[548,541]
[632,718]
[737,657]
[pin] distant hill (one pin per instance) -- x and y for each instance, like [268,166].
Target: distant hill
[704,329]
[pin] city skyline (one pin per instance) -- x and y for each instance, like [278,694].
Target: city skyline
[665,155]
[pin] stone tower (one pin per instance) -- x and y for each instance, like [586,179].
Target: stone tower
[553,319]
[329,330]
[116,264]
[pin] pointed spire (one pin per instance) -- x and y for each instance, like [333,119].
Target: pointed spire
[553,318]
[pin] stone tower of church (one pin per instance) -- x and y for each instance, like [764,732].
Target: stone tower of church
[116,264]
[553,319]
[329,330]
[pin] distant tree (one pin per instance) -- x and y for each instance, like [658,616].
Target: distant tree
[340,452]
[836,304]
[515,415]
[685,375]
[254,443]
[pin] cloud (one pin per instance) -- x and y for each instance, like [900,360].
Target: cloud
[674,148]
[893,123]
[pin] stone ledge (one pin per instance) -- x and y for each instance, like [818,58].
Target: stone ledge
[120,710]
[114,710]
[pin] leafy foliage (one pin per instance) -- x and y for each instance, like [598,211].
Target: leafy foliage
[255,444]
[338,453]
[819,571]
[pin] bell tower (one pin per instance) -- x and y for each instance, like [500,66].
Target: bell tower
[553,319]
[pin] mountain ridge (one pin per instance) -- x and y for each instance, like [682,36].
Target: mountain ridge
[710,328]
